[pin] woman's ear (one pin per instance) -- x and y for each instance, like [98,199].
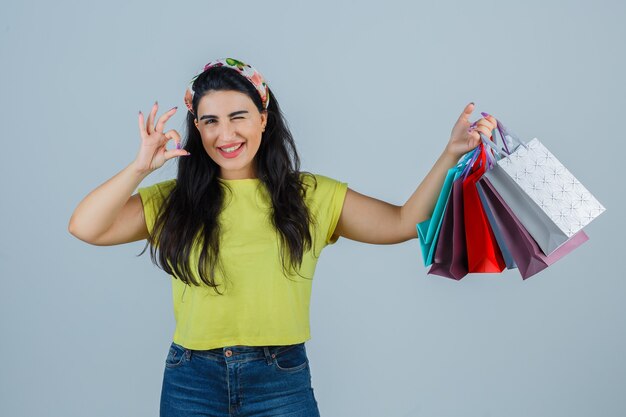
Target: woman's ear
[264,119]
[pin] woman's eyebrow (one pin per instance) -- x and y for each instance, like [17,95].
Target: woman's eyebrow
[206,116]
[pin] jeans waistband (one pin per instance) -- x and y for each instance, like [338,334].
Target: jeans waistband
[240,352]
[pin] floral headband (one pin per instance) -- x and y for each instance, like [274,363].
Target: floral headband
[246,70]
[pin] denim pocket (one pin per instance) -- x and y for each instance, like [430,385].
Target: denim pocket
[175,356]
[291,359]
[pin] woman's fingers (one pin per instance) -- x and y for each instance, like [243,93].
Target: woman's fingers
[467,112]
[489,120]
[173,134]
[486,122]
[484,129]
[484,126]
[146,128]
[171,153]
[150,126]
[142,126]
[164,117]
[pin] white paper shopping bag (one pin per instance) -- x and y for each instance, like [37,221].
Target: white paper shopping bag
[552,188]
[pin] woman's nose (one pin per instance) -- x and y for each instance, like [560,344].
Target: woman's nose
[227,131]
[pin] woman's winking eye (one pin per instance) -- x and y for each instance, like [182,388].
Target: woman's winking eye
[213,120]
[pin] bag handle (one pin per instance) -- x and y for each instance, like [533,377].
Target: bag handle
[506,135]
[484,147]
[479,152]
[490,144]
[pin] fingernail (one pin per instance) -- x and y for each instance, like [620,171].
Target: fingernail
[156,102]
[188,153]
[178,146]
[471,102]
[485,114]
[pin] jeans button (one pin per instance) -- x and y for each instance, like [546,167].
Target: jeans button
[228,353]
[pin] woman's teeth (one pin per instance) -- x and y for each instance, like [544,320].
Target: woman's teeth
[232,149]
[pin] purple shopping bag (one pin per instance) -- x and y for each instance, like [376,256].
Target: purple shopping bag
[450,258]
[527,254]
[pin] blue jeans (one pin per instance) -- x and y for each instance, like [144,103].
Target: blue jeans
[242,381]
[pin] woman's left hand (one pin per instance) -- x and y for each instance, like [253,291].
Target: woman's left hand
[465,135]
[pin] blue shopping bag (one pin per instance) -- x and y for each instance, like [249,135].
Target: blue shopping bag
[428,230]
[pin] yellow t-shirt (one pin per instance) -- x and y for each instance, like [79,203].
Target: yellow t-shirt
[260,305]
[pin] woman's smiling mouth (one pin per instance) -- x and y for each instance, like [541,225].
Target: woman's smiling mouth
[231,151]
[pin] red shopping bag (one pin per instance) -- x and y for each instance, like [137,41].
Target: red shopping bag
[483,253]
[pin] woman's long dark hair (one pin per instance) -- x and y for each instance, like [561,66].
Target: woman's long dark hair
[189,214]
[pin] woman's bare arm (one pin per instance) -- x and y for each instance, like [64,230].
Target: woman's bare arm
[110,215]
[370,220]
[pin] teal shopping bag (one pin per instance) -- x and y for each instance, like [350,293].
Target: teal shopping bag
[428,230]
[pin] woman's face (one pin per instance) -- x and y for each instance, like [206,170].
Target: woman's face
[226,120]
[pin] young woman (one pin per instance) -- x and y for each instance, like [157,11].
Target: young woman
[240,230]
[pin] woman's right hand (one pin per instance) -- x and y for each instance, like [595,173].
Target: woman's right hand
[152,152]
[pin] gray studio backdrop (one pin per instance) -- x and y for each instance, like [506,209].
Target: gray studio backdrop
[371,91]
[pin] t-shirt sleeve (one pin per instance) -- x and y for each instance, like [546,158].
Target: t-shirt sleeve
[152,198]
[329,199]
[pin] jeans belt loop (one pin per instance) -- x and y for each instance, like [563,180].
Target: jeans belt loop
[268,357]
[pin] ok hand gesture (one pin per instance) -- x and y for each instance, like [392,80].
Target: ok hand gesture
[152,152]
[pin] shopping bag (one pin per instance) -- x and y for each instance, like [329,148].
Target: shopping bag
[558,205]
[528,256]
[483,251]
[450,259]
[428,230]
[506,253]
[547,235]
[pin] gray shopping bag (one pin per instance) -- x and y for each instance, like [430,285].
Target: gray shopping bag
[547,235]
[558,203]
